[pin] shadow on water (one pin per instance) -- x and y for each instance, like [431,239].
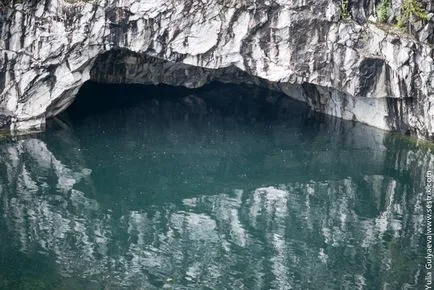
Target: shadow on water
[220,187]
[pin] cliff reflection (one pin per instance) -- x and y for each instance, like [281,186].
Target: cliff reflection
[195,198]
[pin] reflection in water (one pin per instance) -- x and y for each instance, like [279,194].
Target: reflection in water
[186,192]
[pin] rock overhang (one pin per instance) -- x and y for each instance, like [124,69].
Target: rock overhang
[341,68]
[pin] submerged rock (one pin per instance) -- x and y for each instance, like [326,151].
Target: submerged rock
[350,69]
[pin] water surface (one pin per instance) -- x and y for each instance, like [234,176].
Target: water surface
[226,187]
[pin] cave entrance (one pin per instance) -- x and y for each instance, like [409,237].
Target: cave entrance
[122,82]
[113,103]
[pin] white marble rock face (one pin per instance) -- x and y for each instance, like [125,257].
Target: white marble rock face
[377,76]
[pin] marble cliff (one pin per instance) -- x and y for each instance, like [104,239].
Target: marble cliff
[355,69]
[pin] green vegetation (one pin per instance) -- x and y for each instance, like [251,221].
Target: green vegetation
[411,10]
[383,10]
[344,10]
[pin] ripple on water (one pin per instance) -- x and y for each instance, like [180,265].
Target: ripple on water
[181,194]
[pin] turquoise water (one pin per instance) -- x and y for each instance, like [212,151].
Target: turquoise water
[225,187]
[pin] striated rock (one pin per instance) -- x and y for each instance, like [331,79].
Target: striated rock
[352,70]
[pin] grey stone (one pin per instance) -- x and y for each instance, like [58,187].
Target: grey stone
[351,70]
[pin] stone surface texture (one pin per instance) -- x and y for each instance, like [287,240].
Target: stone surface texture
[353,69]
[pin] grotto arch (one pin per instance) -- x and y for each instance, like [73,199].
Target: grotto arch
[123,66]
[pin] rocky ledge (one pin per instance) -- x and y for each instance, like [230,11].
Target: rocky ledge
[353,69]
